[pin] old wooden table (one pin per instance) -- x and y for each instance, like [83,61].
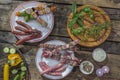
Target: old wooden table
[111,45]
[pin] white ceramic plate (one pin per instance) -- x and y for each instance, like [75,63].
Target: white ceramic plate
[51,62]
[33,23]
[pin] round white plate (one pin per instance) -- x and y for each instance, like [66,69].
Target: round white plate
[49,18]
[52,62]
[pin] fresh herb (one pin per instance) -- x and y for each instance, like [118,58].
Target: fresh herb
[91,14]
[74,7]
[80,14]
[95,30]
[87,9]
[23,14]
[78,30]
[81,29]
[27,17]
[79,21]
[72,22]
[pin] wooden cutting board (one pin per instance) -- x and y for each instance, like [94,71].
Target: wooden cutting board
[99,18]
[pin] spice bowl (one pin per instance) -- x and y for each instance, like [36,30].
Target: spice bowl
[99,55]
[86,67]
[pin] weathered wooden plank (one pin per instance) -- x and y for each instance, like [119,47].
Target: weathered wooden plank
[110,47]
[5,1]
[66,9]
[117,1]
[8,37]
[103,3]
[5,13]
[112,62]
[60,19]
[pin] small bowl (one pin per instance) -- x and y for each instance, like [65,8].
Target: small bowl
[99,55]
[88,65]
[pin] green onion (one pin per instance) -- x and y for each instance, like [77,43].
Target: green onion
[80,22]
[72,22]
[74,6]
[91,14]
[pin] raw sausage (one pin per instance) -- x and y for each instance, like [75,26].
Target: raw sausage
[24,25]
[28,38]
[52,68]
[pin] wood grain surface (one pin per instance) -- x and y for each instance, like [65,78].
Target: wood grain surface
[111,45]
[102,3]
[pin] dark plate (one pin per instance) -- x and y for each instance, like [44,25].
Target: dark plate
[3,59]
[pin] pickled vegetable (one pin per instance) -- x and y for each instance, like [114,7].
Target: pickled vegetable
[16,77]
[6,71]
[15,59]
[6,50]
[12,50]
